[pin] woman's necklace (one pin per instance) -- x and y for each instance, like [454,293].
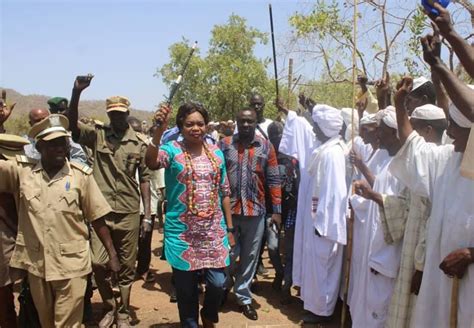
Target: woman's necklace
[191,178]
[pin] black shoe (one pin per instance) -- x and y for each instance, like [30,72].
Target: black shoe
[225,296]
[312,318]
[173,296]
[249,312]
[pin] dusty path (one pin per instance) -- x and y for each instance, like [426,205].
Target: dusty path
[151,306]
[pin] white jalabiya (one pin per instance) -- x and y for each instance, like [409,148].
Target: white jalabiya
[434,172]
[317,261]
[373,287]
[360,206]
[322,255]
[299,141]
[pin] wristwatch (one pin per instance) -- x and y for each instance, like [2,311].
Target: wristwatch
[231,229]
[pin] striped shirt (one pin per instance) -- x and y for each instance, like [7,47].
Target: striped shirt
[252,171]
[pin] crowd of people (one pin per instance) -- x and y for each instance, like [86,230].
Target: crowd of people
[372,205]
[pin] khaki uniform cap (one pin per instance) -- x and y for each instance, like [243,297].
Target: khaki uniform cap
[12,145]
[52,127]
[117,103]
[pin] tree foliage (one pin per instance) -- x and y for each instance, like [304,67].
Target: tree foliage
[224,78]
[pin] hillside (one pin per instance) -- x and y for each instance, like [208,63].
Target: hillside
[18,122]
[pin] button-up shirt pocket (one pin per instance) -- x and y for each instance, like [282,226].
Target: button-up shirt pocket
[74,255]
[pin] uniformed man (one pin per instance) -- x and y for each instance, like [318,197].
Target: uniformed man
[119,152]
[54,199]
[10,146]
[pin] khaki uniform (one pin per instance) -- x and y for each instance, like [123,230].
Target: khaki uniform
[52,241]
[10,146]
[116,161]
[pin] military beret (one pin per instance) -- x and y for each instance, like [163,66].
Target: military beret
[52,127]
[57,101]
[11,145]
[117,103]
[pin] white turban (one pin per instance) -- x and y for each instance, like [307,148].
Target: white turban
[428,112]
[459,117]
[329,119]
[347,115]
[347,118]
[368,119]
[388,116]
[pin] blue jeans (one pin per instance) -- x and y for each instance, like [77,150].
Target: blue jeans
[186,283]
[273,243]
[248,239]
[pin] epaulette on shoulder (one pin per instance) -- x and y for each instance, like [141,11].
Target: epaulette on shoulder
[23,159]
[142,137]
[82,167]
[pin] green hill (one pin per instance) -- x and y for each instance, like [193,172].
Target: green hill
[18,122]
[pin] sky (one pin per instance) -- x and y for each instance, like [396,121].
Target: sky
[46,44]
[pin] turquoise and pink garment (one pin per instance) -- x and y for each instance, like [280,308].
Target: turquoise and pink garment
[192,242]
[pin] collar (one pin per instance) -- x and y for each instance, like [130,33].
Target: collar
[130,134]
[66,169]
[256,141]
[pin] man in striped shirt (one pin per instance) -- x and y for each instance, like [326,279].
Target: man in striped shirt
[252,168]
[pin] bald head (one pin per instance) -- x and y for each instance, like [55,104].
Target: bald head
[36,115]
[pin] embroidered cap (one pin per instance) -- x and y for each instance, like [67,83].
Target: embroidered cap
[52,127]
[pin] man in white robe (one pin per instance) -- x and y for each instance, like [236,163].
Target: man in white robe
[434,172]
[373,287]
[309,271]
[325,230]
[405,217]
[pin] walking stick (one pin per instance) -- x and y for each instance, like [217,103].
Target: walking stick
[274,51]
[453,318]
[350,225]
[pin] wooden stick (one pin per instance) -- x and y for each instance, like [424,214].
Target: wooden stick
[274,51]
[453,318]
[290,77]
[350,224]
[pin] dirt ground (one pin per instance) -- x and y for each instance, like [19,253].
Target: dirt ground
[151,306]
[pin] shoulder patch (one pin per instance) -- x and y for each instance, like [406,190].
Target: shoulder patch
[25,159]
[84,168]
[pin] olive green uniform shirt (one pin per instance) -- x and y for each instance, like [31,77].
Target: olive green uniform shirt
[53,238]
[115,163]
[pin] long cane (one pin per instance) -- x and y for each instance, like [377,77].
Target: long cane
[350,225]
[453,318]
[274,50]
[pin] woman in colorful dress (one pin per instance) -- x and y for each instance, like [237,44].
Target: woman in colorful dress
[198,225]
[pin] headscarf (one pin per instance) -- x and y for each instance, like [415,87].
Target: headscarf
[329,119]
[388,116]
[368,119]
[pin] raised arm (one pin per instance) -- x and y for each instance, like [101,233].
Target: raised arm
[404,126]
[464,51]
[459,93]
[162,115]
[81,83]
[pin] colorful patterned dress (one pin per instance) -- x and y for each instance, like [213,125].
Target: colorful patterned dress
[192,242]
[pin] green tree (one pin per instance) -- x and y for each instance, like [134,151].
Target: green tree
[227,75]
